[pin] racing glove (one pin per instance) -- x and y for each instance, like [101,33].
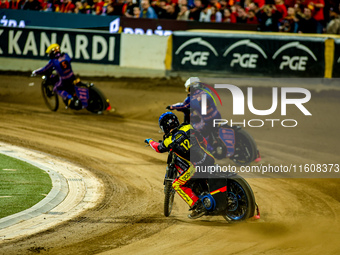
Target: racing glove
[148,140]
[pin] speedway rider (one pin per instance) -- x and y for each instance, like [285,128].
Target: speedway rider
[61,62]
[193,87]
[189,148]
[192,106]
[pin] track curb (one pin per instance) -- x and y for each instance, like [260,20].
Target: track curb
[74,190]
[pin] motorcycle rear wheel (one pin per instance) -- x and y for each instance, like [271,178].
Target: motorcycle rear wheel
[50,97]
[240,200]
[245,148]
[97,102]
[169,198]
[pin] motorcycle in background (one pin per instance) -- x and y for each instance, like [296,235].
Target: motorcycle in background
[90,97]
[227,142]
[234,143]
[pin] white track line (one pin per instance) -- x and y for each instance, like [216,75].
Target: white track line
[73,190]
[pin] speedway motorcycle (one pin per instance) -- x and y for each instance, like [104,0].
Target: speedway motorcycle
[228,142]
[224,194]
[234,143]
[90,97]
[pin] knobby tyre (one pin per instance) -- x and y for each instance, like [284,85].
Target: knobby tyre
[50,97]
[245,148]
[240,200]
[97,102]
[169,198]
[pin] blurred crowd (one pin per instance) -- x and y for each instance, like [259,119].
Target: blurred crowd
[293,16]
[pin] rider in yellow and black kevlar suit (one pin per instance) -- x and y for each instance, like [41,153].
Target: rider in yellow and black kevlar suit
[190,151]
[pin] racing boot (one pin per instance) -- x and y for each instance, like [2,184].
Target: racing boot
[198,210]
[73,103]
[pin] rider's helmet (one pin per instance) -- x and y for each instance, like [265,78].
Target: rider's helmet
[168,121]
[191,81]
[53,51]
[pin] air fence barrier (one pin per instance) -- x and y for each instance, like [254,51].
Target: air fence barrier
[255,54]
[101,53]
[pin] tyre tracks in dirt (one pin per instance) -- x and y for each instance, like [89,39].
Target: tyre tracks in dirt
[298,215]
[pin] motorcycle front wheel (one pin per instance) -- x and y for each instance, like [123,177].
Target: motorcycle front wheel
[50,97]
[240,200]
[169,198]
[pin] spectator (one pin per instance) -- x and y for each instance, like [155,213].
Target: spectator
[214,3]
[268,18]
[195,12]
[110,9]
[205,15]
[251,17]
[46,6]
[299,6]
[290,23]
[289,3]
[334,25]
[79,8]
[183,10]
[147,11]
[183,13]
[33,5]
[317,7]
[98,7]
[307,24]
[281,8]
[259,3]
[254,7]
[16,4]
[227,16]
[136,12]
[4,4]
[119,8]
[271,15]
[216,15]
[210,14]
[183,3]
[233,14]
[55,5]
[67,6]
[191,4]
[87,7]
[130,5]
[171,11]
[160,9]
[241,15]
[246,5]
[223,4]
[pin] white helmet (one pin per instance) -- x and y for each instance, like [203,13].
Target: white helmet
[191,81]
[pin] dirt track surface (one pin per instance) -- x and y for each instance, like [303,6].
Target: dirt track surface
[298,216]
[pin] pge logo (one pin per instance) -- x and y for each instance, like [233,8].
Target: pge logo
[198,57]
[294,63]
[245,60]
